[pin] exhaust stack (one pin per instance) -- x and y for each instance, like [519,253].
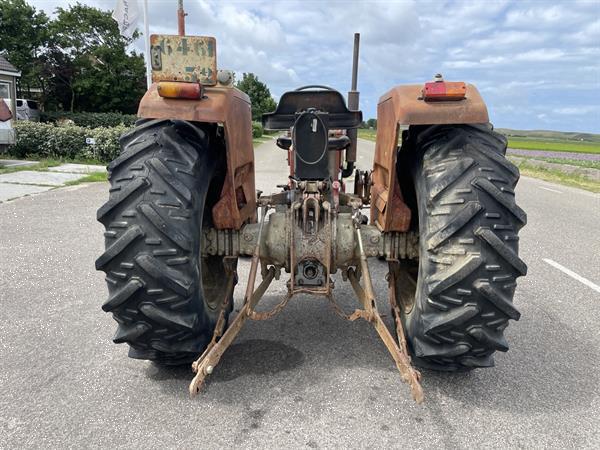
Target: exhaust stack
[353,97]
[180,18]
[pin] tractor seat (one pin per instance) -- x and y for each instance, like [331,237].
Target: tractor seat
[321,98]
[333,144]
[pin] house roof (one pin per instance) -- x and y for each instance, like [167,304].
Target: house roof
[5,66]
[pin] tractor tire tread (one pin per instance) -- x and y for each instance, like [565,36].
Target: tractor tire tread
[468,222]
[152,220]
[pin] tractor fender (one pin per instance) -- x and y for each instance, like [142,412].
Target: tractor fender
[230,108]
[400,107]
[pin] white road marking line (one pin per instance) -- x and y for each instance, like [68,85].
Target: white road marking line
[572,274]
[551,190]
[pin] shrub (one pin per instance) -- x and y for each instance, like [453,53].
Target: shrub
[46,140]
[89,119]
[257,130]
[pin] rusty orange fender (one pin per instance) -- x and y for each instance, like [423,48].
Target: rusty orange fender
[230,108]
[403,106]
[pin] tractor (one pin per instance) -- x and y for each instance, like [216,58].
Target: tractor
[183,209]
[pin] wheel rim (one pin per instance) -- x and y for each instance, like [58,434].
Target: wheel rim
[406,286]
[215,277]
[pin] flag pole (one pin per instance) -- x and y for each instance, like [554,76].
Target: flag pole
[147,42]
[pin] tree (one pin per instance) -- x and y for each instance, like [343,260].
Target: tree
[90,64]
[23,39]
[259,94]
[372,123]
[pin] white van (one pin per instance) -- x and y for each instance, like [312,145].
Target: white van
[27,110]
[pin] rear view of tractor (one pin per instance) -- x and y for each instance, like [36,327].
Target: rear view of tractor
[182,209]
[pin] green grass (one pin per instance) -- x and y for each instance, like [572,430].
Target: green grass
[92,177]
[369,135]
[43,165]
[262,140]
[556,176]
[554,146]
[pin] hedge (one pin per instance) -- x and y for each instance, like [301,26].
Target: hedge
[89,119]
[46,140]
[257,130]
[50,140]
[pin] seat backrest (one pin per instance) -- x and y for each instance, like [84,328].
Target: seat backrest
[321,98]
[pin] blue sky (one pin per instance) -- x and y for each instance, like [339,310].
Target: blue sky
[537,63]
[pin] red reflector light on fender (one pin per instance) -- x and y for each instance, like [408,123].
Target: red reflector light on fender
[176,89]
[444,91]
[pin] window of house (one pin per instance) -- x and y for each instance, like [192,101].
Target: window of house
[4,90]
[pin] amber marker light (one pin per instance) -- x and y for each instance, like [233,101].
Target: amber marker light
[444,91]
[175,89]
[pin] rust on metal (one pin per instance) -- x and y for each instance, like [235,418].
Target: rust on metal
[206,363]
[404,105]
[400,354]
[184,58]
[181,19]
[231,108]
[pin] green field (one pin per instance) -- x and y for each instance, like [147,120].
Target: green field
[554,145]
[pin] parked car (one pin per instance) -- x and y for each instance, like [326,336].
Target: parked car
[27,110]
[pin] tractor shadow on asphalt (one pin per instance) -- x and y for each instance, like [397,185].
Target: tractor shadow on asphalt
[310,344]
[306,331]
[247,357]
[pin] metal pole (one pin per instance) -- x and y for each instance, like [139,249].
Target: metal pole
[353,97]
[180,19]
[147,45]
[355,61]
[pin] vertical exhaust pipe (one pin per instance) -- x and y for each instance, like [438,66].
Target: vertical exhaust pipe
[180,18]
[353,96]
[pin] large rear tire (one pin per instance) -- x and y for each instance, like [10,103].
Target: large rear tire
[164,295]
[468,222]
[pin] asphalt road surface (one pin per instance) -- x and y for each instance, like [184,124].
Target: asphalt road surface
[305,378]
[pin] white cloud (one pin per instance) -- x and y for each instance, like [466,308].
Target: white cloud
[543,16]
[539,55]
[576,110]
[530,58]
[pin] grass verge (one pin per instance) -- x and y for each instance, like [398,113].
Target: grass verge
[45,163]
[262,140]
[92,177]
[41,166]
[369,135]
[556,176]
